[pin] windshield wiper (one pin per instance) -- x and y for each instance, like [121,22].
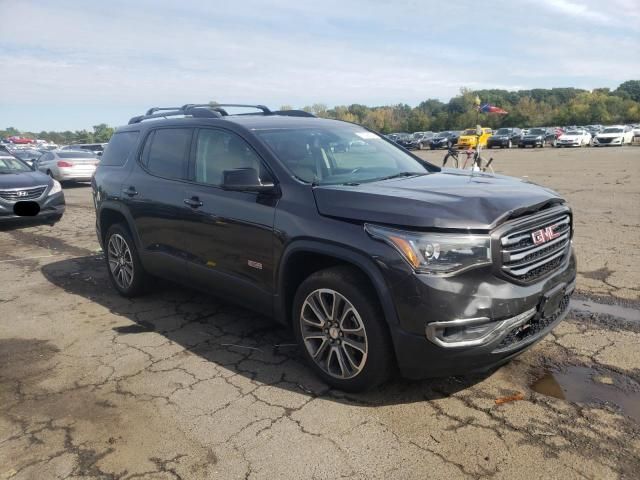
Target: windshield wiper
[398,175]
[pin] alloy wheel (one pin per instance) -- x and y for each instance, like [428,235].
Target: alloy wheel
[120,261]
[333,333]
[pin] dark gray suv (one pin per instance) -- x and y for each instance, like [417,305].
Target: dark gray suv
[375,258]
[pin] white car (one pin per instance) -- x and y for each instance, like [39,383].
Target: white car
[574,138]
[614,135]
[68,165]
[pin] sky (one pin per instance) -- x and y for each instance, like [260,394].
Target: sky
[71,64]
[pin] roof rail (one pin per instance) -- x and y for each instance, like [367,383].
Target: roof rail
[294,113]
[208,110]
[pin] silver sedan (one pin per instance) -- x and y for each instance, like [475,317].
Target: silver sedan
[68,165]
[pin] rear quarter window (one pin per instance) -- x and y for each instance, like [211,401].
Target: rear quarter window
[119,149]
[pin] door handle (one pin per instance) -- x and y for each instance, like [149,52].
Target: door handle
[131,191]
[193,202]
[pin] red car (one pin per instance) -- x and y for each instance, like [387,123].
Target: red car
[21,140]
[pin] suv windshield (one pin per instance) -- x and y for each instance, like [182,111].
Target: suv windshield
[503,131]
[12,165]
[337,155]
[537,131]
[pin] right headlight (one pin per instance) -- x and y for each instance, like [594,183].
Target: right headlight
[55,188]
[436,253]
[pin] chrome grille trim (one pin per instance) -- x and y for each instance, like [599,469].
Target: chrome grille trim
[13,194]
[520,258]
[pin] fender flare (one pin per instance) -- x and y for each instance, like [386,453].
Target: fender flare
[360,260]
[118,207]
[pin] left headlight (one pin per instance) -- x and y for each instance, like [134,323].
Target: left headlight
[56,188]
[436,253]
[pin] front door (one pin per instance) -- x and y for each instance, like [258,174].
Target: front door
[230,234]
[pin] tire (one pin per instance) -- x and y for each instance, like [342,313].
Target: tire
[340,364]
[133,280]
[521,146]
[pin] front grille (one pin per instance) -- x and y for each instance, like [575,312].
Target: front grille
[605,140]
[532,328]
[17,194]
[525,261]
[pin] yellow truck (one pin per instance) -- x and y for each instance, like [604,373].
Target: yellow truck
[468,139]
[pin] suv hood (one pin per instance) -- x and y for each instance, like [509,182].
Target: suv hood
[23,180]
[445,200]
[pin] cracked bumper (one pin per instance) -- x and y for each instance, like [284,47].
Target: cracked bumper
[422,301]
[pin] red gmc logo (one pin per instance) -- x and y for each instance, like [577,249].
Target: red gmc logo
[544,235]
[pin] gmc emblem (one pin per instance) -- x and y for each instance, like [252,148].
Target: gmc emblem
[544,235]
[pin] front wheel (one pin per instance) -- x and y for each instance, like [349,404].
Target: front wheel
[126,272]
[341,330]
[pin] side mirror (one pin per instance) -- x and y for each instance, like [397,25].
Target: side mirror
[33,166]
[245,180]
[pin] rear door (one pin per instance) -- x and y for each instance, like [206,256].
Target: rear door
[229,234]
[154,194]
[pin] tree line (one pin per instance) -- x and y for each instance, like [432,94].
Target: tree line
[527,108]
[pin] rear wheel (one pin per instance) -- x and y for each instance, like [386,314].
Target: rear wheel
[341,330]
[126,272]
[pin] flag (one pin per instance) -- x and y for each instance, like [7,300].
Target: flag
[488,108]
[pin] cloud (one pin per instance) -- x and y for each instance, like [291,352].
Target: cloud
[85,56]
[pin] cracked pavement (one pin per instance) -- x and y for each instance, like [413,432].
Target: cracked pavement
[178,385]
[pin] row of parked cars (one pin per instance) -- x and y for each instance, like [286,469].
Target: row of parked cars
[67,163]
[568,136]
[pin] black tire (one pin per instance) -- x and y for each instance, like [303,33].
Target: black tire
[353,286]
[521,146]
[140,278]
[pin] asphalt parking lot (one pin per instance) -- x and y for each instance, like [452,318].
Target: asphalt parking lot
[179,385]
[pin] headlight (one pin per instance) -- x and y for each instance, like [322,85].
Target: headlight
[56,188]
[436,253]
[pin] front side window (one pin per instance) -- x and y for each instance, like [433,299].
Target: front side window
[166,152]
[339,154]
[218,151]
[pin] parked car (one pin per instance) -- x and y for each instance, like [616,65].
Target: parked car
[574,138]
[68,165]
[469,138]
[444,139]
[27,155]
[405,140]
[27,195]
[96,148]
[614,135]
[505,138]
[421,140]
[362,253]
[538,137]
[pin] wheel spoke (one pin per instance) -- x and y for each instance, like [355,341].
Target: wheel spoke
[325,309]
[341,364]
[354,365]
[311,303]
[321,349]
[360,346]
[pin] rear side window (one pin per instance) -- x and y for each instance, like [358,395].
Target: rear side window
[119,148]
[166,151]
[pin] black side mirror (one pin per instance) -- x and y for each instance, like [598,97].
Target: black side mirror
[245,180]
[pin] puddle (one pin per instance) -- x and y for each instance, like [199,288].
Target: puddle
[590,386]
[589,306]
